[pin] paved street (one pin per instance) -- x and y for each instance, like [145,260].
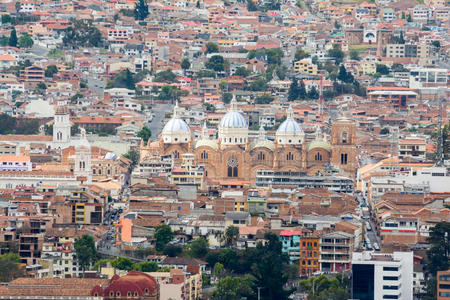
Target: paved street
[156,125]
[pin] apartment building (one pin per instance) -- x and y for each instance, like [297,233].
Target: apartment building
[335,251]
[443,285]
[415,148]
[305,66]
[290,242]
[15,163]
[382,276]
[309,254]
[428,77]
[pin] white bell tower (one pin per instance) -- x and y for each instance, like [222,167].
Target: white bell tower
[82,166]
[61,127]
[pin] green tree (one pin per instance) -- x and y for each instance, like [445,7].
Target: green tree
[132,155]
[145,133]
[145,266]
[172,250]
[41,86]
[219,271]
[206,74]
[233,288]
[268,269]
[258,85]
[10,267]
[122,263]
[6,19]
[231,235]
[216,63]
[165,76]
[322,287]
[226,97]
[301,54]
[342,74]
[185,64]
[409,19]
[26,41]
[354,54]
[50,71]
[27,127]
[382,69]
[7,124]
[313,93]
[4,40]
[13,38]
[211,48]
[140,10]
[251,6]
[85,251]
[436,44]
[82,33]
[439,253]
[198,248]
[163,235]
[264,99]
[302,90]
[293,90]
[336,53]
[242,71]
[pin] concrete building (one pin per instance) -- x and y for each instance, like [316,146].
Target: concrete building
[443,285]
[382,276]
[415,148]
[290,241]
[335,252]
[15,163]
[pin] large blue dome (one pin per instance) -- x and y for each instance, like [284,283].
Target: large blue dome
[233,119]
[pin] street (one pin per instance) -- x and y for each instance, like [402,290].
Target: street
[156,124]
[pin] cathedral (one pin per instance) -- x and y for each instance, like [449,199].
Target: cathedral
[233,156]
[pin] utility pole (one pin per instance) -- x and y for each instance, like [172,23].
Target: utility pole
[259,293]
[440,152]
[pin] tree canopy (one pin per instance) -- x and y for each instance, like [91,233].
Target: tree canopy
[211,48]
[10,267]
[140,10]
[26,41]
[85,251]
[145,133]
[163,235]
[82,33]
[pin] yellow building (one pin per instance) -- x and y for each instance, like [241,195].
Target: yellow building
[367,68]
[188,174]
[305,66]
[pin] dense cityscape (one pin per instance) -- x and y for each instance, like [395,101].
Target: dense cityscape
[225,149]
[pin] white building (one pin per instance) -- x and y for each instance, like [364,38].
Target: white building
[382,276]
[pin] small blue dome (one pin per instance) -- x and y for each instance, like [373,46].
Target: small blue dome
[289,126]
[233,119]
[176,125]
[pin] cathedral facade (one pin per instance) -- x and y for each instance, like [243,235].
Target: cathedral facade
[234,157]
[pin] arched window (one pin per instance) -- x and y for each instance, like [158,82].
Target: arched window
[204,155]
[344,137]
[289,156]
[128,294]
[261,156]
[318,156]
[118,294]
[111,294]
[146,290]
[232,167]
[343,158]
[176,154]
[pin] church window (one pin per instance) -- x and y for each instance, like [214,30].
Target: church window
[261,156]
[111,294]
[344,137]
[206,173]
[343,158]
[176,154]
[118,294]
[235,140]
[318,156]
[230,140]
[93,171]
[204,155]
[99,171]
[176,139]
[290,141]
[128,294]
[232,167]
[289,156]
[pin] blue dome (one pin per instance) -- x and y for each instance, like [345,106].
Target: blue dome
[289,126]
[176,125]
[233,119]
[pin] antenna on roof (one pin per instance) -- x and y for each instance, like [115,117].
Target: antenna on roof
[321,95]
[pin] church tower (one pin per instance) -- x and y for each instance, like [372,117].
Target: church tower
[82,168]
[343,145]
[61,127]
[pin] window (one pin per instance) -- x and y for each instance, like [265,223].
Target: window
[390,297]
[390,278]
[444,286]
[118,294]
[343,158]
[146,290]
[390,269]
[204,155]
[390,287]
[344,137]
[318,157]
[176,154]
[128,294]
[261,156]
[289,156]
